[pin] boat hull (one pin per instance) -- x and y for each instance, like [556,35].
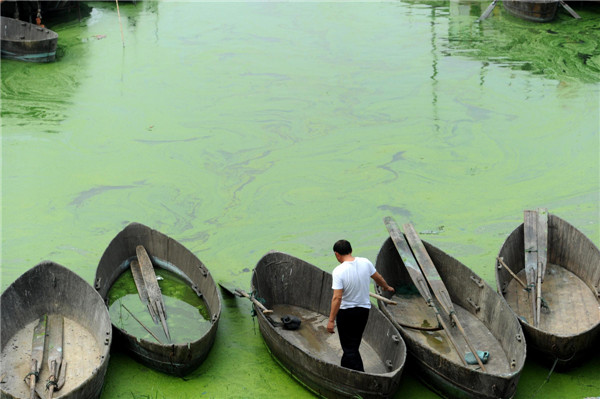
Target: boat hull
[311,355]
[49,288]
[535,10]
[180,358]
[573,257]
[23,41]
[484,314]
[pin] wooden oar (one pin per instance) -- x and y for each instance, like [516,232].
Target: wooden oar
[569,9]
[37,353]
[136,271]
[530,225]
[417,277]
[242,293]
[55,350]
[487,11]
[505,266]
[383,299]
[542,239]
[436,283]
[154,294]
[254,301]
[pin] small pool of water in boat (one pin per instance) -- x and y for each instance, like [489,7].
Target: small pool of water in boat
[187,314]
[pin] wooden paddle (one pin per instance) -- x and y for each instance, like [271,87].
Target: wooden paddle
[417,277]
[136,272]
[505,266]
[383,299]
[487,11]
[436,283]
[37,353]
[242,293]
[531,263]
[55,350]
[569,9]
[155,299]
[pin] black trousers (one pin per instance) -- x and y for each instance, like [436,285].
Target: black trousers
[351,324]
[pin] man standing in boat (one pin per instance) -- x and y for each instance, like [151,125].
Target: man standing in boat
[350,303]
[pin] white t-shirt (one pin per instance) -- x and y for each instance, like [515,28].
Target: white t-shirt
[354,278]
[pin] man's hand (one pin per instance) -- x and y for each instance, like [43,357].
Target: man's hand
[390,288]
[331,326]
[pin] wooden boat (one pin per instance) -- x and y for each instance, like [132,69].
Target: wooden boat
[486,318]
[178,358]
[50,290]
[290,286]
[569,326]
[532,10]
[27,42]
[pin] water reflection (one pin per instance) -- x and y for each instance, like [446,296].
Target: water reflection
[565,49]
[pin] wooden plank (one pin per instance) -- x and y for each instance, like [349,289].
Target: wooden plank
[37,352]
[429,270]
[407,258]
[136,271]
[416,275]
[436,283]
[542,239]
[55,350]
[530,241]
[154,294]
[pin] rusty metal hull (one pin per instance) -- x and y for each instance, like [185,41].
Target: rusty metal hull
[311,355]
[177,359]
[568,330]
[50,288]
[489,322]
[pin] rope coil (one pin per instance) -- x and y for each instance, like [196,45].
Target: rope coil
[34,373]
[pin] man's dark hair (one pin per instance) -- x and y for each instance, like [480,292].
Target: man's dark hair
[342,247]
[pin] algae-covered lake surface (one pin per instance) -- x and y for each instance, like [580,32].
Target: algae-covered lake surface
[242,127]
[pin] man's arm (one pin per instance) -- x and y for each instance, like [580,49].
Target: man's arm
[381,282]
[336,301]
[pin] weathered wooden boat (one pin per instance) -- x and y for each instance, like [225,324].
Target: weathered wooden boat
[49,291]
[290,286]
[27,42]
[178,358]
[487,320]
[532,10]
[569,323]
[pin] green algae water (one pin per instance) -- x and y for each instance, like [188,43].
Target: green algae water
[238,128]
[187,314]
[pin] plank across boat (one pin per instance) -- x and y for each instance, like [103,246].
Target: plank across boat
[569,324]
[24,41]
[485,317]
[53,290]
[532,10]
[178,358]
[291,286]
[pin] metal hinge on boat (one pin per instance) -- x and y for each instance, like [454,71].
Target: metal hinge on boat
[475,306]
[477,281]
